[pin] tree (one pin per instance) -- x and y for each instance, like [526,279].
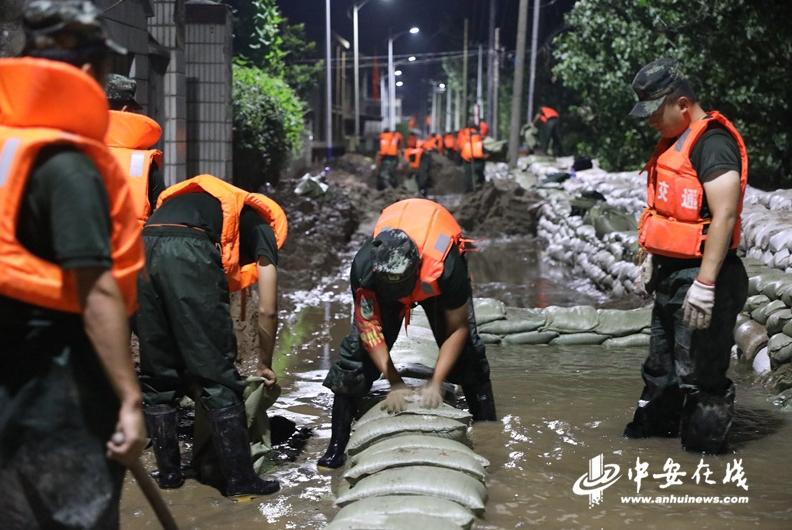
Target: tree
[733,51]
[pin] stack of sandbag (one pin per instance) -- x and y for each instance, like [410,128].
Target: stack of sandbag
[767,236]
[604,257]
[567,326]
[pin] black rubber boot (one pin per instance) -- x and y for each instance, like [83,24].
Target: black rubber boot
[344,409]
[481,402]
[707,420]
[161,423]
[230,438]
[658,416]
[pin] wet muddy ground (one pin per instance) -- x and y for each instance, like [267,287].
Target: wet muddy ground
[559,407]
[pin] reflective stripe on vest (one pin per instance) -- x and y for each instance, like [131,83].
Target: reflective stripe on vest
[672,224]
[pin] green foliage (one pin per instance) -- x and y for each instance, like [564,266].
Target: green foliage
[301,72]
[735,53]
[268,124]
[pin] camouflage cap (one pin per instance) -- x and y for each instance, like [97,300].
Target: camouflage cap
[653,83]
[67,24]
[396,261]
[120,90]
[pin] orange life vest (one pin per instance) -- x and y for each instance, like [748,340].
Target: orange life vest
[43,103]
[389,143]
[473,148]
[430,144]
[413,155]
[461,139]
[412,140]
[483,127]
[547,113]
[232,200]
[433,230]
[672,225]
[130,137]
[449,141]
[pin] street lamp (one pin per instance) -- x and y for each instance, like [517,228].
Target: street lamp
[392,76]
[411,58]
[355,8]
[399,83]
[441,86]
[397,73]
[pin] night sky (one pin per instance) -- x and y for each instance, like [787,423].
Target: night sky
[440,21]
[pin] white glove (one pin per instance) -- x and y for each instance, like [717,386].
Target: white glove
[646,274]
[697,308]
[396,400]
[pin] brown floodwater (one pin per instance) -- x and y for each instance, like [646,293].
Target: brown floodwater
[559,408]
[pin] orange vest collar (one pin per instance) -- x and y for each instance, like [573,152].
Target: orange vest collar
[53,95]
[133,131]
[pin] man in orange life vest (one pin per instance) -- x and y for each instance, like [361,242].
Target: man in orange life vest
[546,120]
[390,145]
[131,137]
[419,166]
[404,263]
[69,255]
[206,239]
[473,156]
[691,228]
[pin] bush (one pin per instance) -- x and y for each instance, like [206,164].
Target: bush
[268,125]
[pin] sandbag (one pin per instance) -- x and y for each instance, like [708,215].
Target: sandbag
[757,283]
[410,348]
[637,340]
[405,505]
[530,337]
[754,302]
[750,337]
[489,338]
[417,441]
[402,457]
[413,407]
[420,480]
[780,349]
[395,522]
[509,327]
[618,323]
[774,288]
[578,339]
[575,319]
[786,296]
[776,322]
[761,314]
[488,310]
[761,363]
[787,329]
[408,423]
[607,219]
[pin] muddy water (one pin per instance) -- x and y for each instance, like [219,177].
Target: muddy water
[558,408]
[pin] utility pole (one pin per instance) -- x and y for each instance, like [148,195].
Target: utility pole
[356,67]
[465,76]
[383,103]
[458,110]
[479,102]
[491,60]
[391,88]
[328,85]
[496,86]
[449,93]
[434,108]
[519,73]
[534,43]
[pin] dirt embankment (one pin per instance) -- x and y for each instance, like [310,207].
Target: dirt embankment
[499,210]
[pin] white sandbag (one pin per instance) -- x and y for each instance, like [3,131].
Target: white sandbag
[395,522]
[405,505]
[761,363]
[575,319]
[417,441]
[618,323]
[750,337]
[489,338]
[780,349]
[420,480]
[530,337]
[527,322]
[402,457]
[578,339]
[413,407]
[638,340]
[409,423]
[488,309]
[776,322]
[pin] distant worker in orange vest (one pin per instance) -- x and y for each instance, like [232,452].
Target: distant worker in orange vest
[132,137]
[691,230]
[484,128]
[70,253]
[419,166]
[449,144]
[546,121]
[412,140]
[205,240]
[390,145]
[416,255]
[473,156]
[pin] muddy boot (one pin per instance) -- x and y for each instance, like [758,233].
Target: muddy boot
[230,438]
[161,423]
[656,417]
[481,402]
[706,421]
[344,408]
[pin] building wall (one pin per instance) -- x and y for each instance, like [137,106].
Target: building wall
[209,112]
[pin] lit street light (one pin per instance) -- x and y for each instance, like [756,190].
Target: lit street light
[411,58]
[392,76]
[442,86]
[397,73]
[400,83]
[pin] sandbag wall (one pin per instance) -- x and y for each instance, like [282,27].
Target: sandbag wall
[414,469]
